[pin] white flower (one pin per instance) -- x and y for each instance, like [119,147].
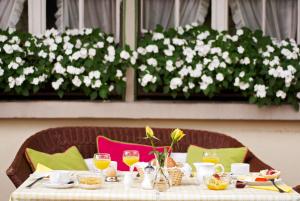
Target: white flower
[59,58]
[214,64]
[234,38]
[27,44]
[92,52]
[157,36]
[83,53]
[167,41]
[110,39]
[152,48]
[205,82]
[298,95]
[20,80]
[191,85]
[280,94]
[1,71]
[168,52]
[75,71]
[11,82]
[254,39]
[183,72]
[142,67]
[28,70]
[119,73]
[94,74]
[197,72]
[59,69]
[185,89]
[13,65]
[242,74]
[100,44]
[88,31]
[76,55]
[180,30]
[97,84]
[111,88]
[111,50]
[220,77]
[261,90]
[152,62]
[169,66]
[239,32]
[124,55]
[146,79]
[3,38]
[42,54]
[178,42]
[175,83]
[240,50]
[87,81]
[245,61]
[35,81]
[58,39]
[76,81]
[141,51]
[8,49]
[57,83]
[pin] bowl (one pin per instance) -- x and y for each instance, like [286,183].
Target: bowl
[217,182]
[90,181]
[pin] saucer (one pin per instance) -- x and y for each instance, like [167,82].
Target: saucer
[58,185]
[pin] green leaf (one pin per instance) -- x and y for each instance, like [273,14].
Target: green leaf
[103,93]
[93,95]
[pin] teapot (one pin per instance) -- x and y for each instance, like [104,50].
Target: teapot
[206,169]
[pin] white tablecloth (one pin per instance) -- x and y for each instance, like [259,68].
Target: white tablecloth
[189,191]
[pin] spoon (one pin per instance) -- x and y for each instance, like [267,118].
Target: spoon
[35,181]
[274,184]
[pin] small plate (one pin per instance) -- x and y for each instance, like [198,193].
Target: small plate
[90,186]
[58,185]
[37,175]
[262,183]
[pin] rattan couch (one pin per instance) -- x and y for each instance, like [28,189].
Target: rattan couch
[59,139]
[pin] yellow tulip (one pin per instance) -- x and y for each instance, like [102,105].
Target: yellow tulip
[177,135]
[149,132]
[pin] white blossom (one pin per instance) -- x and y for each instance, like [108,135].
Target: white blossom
[94,74]
[87,81]
[111,88]
[142,67]
[110,39]
[59,69]
[239,32]
[141,51]
[298,95]
[100,44]
[8,49]
[220,77]
[152,62]
[280,94]
[76,81]
[96,84]
[28,70]
[124,55]
[240,50]
[57,83]
[92,52]
[147,78]
[157,36]
[261,90]
[175,83]
[119,73]
[152,48]
[11,82]
[1,72]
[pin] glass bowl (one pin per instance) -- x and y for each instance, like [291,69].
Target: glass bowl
[217,182]
[90,181]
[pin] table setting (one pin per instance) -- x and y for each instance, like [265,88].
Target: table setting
[161,178]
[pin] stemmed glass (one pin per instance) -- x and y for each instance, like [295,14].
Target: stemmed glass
[102,161]
[210,157]
[130,157]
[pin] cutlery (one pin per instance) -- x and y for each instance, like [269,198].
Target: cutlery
[274,184]
[35,181]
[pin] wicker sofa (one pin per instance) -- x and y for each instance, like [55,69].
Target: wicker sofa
[59,139]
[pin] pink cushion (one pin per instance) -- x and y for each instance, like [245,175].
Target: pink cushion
[116,148]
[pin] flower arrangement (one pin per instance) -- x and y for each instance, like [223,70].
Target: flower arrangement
[85,60]
[195,59]
[176,136]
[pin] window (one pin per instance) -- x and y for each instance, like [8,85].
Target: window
[172,13]
[103,14]
[276,18]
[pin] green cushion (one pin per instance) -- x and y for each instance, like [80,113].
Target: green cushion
[226,155]
[71,159]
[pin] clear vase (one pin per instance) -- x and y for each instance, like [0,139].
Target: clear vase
[162,180]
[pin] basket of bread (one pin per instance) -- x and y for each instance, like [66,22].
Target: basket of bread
[174,170]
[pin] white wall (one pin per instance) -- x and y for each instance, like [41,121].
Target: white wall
[275,142]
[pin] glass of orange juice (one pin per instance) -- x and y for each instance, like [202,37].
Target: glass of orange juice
[210,157]
[130,157]
[101,161]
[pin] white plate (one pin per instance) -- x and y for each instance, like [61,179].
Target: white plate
[262,183]
[91,187]
[58,186]
[37,175]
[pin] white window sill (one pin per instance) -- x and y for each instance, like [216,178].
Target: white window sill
[145,110]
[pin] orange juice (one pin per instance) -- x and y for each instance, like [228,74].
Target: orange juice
[102,163]
[130,160]
[210,159]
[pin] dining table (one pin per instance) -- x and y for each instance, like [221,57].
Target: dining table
[189,190]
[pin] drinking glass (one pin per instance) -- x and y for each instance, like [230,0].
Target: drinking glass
[210,157]
[131,157]
[102,161]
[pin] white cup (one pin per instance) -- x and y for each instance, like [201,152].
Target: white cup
[240,168]
[59,177]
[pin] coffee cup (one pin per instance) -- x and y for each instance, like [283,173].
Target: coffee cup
[59,177]
[240,168]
